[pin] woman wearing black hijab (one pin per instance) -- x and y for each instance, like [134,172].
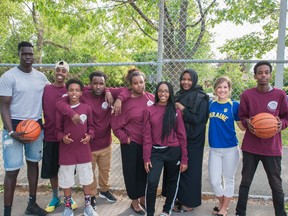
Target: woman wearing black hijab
[194,104]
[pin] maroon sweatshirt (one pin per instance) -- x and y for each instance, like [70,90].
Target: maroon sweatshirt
[253,102]
[101,115]
[129,123]
[50,96]
[76,152]
[152,131]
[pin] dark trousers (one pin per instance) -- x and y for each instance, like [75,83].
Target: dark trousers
[133,170]
[169,158]
[272,166]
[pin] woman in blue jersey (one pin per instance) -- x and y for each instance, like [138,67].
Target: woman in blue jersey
[224,153]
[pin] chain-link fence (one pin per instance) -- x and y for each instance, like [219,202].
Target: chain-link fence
[161,38]
[240,80]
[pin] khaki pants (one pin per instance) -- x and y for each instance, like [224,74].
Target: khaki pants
[102,159]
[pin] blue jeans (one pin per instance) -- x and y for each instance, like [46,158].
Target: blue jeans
[272,166]
[13,151]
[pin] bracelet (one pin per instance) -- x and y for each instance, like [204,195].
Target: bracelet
[11,132]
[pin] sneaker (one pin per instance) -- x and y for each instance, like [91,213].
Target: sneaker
[164,214]
[34,209]
[93,202]
[89,211]
[55,202]
[67,212]
[73,204]
[107,195]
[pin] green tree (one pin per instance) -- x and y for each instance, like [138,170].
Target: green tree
[185,28]
[264,13]
[127,31]
[242,78]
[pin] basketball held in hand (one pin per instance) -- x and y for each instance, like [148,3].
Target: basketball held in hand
[265,125]
[30,128]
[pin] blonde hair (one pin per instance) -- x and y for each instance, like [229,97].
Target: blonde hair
[220,80]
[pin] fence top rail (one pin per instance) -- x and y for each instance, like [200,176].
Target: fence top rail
[86,64]
[148,63]
[221,61]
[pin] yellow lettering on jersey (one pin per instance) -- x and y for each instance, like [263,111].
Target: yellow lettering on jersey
[218,115]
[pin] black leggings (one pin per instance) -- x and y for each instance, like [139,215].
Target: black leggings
[169,158]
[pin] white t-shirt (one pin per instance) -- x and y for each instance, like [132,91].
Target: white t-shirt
[26,90]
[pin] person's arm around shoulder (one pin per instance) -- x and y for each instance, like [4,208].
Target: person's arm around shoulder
[109,97]
[64,108]
[122,95]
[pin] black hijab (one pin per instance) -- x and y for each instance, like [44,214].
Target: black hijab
[194,88]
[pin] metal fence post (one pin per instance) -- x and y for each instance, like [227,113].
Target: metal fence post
[160,41]
[281,44]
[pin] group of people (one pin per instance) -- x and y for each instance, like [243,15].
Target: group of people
[157,132]
[24,92]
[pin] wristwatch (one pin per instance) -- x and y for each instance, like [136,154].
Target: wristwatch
[11,132]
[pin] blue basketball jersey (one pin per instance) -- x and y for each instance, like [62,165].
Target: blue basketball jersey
[222,132]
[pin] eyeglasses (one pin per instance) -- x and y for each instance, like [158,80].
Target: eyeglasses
[163,91]
[61,69]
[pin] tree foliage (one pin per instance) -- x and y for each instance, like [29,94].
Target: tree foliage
[90,31]
[264,13]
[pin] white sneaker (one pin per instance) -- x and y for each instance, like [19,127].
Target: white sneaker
[67,212]
[89,211]
[164,214]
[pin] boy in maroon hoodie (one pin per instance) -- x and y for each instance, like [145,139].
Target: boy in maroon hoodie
[262,98]
[74,149]
[101,144]
[50,158]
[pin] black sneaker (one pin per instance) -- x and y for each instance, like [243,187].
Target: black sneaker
[107,195]
[34,209]
[93,202]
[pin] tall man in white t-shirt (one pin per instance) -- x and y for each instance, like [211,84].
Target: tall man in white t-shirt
[21,90]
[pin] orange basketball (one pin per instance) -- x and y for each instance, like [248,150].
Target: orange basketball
[30,128]
[265,125]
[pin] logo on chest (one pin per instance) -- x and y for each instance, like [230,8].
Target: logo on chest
[83,118]
[104,105]
[272,105]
